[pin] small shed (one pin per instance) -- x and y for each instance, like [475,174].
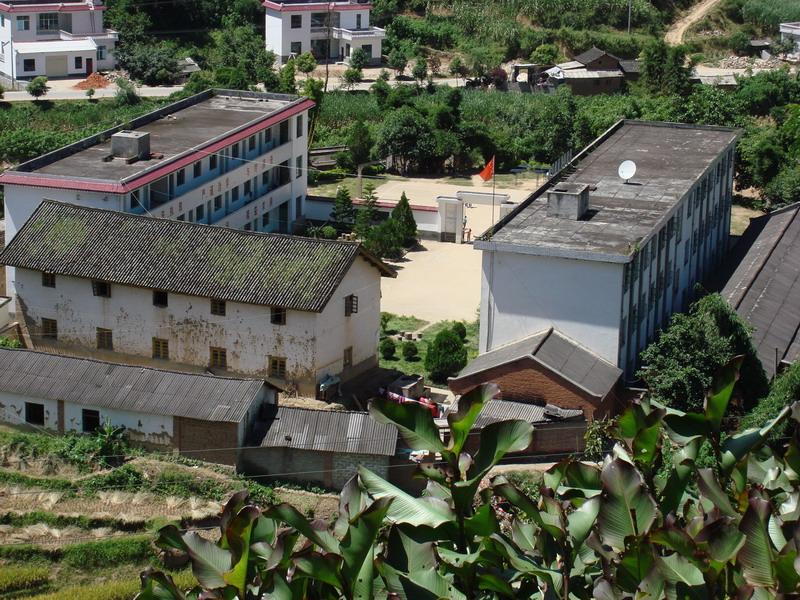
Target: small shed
[321,446]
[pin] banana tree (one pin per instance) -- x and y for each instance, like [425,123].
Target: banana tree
[649,522]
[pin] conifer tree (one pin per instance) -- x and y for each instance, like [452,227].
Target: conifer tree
[405,221]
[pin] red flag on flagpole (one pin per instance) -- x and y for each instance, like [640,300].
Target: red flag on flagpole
[488,171]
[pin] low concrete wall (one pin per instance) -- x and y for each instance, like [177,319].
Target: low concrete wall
[319,208]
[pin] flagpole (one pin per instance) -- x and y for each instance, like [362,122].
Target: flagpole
[494,171]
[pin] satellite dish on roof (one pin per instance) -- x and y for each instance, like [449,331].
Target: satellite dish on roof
[627,170]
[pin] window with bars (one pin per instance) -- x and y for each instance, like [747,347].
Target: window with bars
[300,126]
[50,329]
[101,289]
[219,358]
[197,169]
[212,162]
[251,143]
[180,178]
[49,280]
[218,307]
[277,315]
[160,348]
[277,367]
[350,305]
[105,340]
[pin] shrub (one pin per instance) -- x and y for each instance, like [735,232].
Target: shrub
[2,91]
[785,188]
[352,76]
[359,59]
[446,356]
[108,553]
[785,389]
[460,330]
[37,87]
[329,232]
[14,579]
[90,94]
[126,93]
[387,348]
[410,351]
[171,482]
[546,54]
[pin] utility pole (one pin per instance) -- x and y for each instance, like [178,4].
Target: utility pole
[630,2]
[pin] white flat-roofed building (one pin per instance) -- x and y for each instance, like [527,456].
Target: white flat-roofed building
[235,159]
[607,261]
[329,30]
[790,32]
[54,39]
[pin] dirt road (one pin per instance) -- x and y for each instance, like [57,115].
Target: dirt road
[679,28]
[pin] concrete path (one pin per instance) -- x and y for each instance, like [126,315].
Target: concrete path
[678,29]
[63,89]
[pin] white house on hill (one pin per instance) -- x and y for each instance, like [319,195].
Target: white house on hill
[295,310]
[329,30]
[55,39]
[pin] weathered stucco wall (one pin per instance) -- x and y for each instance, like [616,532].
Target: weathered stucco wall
[312,344]
[140,428]
[12,410]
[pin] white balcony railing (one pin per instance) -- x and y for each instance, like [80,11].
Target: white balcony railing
[352,34]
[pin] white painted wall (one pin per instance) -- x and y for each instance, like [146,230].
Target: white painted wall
[12,410]
[348,18]
[523,294]
[5,48]
[306,340]
[142,428]
[359,331]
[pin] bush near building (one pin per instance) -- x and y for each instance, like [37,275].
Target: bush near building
[410,351]
[387,348]
[446,356]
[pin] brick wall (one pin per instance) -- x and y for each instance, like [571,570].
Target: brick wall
[196,435]
[525,380]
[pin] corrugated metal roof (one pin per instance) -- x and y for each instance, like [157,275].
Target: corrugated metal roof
[330,431]
[503,410]
[556,352]
[185,258]
[765,286]
[136,389]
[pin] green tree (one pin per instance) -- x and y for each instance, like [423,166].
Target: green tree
[653,64]
[382,91]
[410,351]
[739,42]
[343,211]
[676,72]
[286,79]
[446,356]
[460,330]
[368,213]
[760,155]
[405,135]
[231,78]
[785,188]
[241,47]
[305,63]
[388,347]
[680,365]
[458,69]
[351,77]
[151,64]
[420,70]
[398,62]
[385,240]
[545,54]
[37,87]
[404,216]
[359,59]
[200,82]
[359,143]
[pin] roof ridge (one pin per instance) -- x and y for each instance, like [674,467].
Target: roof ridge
[326,411]
[582,347]
[150,217]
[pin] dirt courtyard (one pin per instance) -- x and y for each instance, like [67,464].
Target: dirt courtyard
[435,282]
